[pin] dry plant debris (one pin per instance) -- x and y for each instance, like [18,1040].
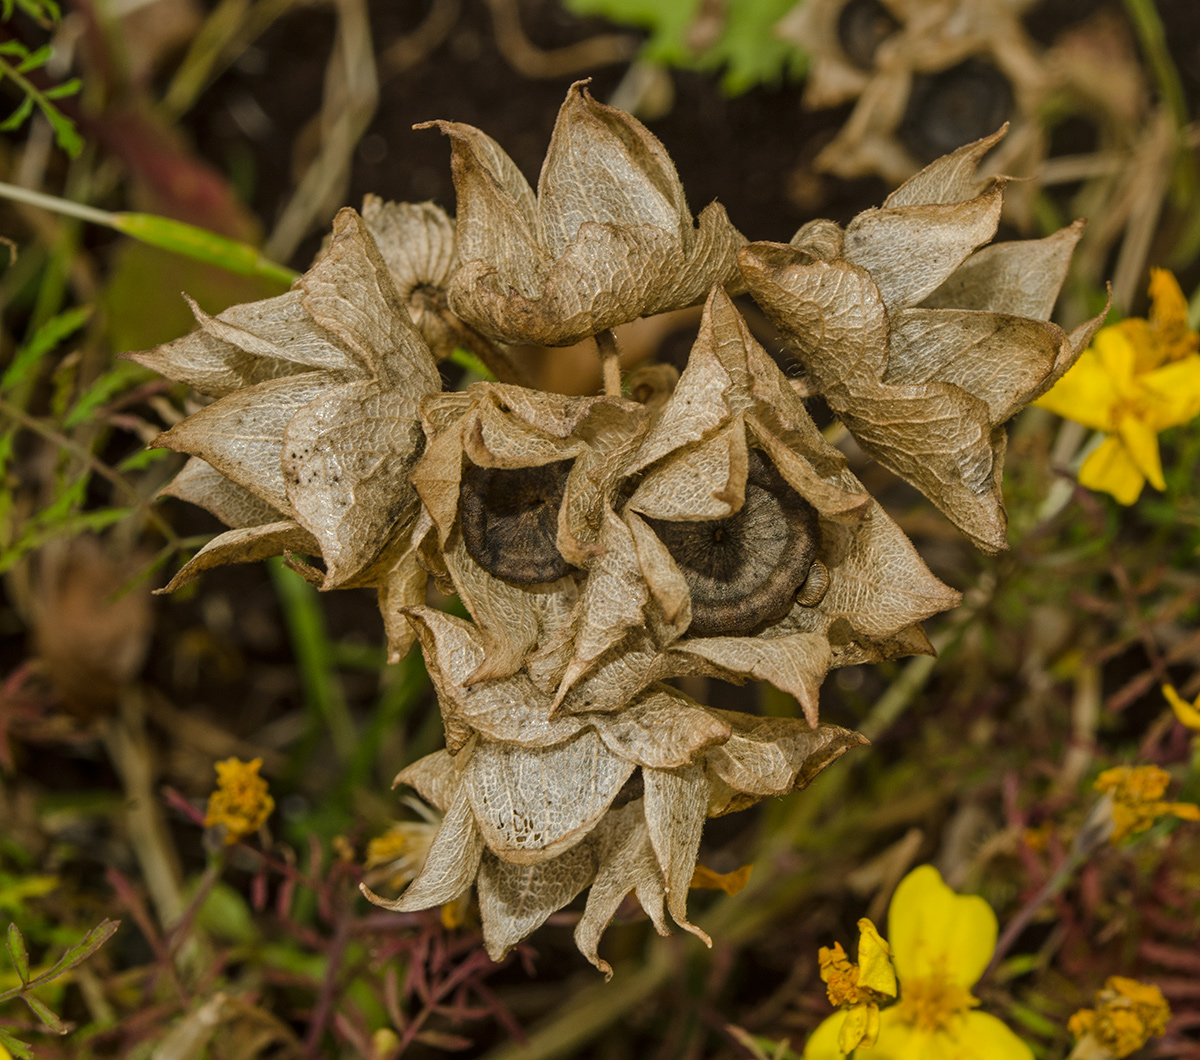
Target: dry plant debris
[600,545]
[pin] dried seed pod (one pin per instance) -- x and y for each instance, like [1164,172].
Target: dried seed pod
[315,430]
[508,479]
[510,520]
[734,448]
[743,571]
[608,237]
[922,345]
[538,807]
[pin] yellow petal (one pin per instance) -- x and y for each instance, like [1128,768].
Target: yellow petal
[1086,394]
[1169,317]
[983,1037]
[1187,713]
[1141,442]
[875,960]
[1117,356]
[871,1034]
[934,931]
[1110,469]
[899,1040]
[1174,393]
[823,1042]
[854,1030]
[730,882]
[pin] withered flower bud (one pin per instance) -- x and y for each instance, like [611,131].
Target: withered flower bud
[743,572]
[922,345]
[292,454]
[607,238]
[510,520]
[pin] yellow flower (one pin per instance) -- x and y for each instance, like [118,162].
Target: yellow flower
[941,943]
[1187,713]
[1137,379]
[241,802]
[398,856]
[860,988]
[1137,799]
[1126,1016]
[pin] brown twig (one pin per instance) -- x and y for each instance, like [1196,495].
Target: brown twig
[605,49]
[413,48]
[610,362]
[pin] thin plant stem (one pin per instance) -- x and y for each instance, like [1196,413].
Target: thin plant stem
[610,362]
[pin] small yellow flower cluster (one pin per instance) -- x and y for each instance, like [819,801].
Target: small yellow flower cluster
[241,804]
[1138,378]
[1127,1014]
[943,942]
[1137,793]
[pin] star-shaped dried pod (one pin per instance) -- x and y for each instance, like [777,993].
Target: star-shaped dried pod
[607,238]
[922,345]
[539,806]
[499,462]
[738,544]
[911,64]
[315,429]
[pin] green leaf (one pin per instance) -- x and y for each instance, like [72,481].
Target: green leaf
[42,1011]
[749,49]
[64,129]
[143,458]
[14,47]
[18,952]
[89,944]
[35,59]
[46,338]
[124,376]
[667,22]
[18,116]
[200,245]
[21,1050]
[67,88]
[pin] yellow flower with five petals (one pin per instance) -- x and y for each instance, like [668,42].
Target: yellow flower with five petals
[1138,378]
[941,943]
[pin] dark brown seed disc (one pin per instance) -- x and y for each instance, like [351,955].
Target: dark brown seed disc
[509,520]
[863,25]
[744,571]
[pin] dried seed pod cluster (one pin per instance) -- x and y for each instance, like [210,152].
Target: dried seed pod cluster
[604,545]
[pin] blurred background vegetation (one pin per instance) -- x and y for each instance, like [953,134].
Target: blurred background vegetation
[254,120]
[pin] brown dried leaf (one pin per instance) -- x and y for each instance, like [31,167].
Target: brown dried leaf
[245,545]
[403,586]
[661,729]
[534,803]
[608,238]
[435,777]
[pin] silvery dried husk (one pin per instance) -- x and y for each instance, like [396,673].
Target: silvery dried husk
[732,464]
[874,53]
[314,432]
[541,804]
[608,237]
[498,462]
[922,345]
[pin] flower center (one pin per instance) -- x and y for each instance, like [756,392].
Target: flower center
[932,1004]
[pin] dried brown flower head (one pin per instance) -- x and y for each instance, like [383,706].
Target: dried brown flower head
[314,432]
[922,345]
[607,238]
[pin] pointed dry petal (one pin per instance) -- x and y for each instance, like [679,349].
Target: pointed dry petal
[702,481]
[416,242]
[772,756]
[911,250]
[242,435]
[403,587]
[245,545]
[349,293]
[667,585]
[676,803]
[346,461]
[450,866]
[627,863]
[534,803]
[796,662]
[948,179]
[515,900]
[435,778]
[1021,277]
[201,484]
[661,729]
[604,166]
